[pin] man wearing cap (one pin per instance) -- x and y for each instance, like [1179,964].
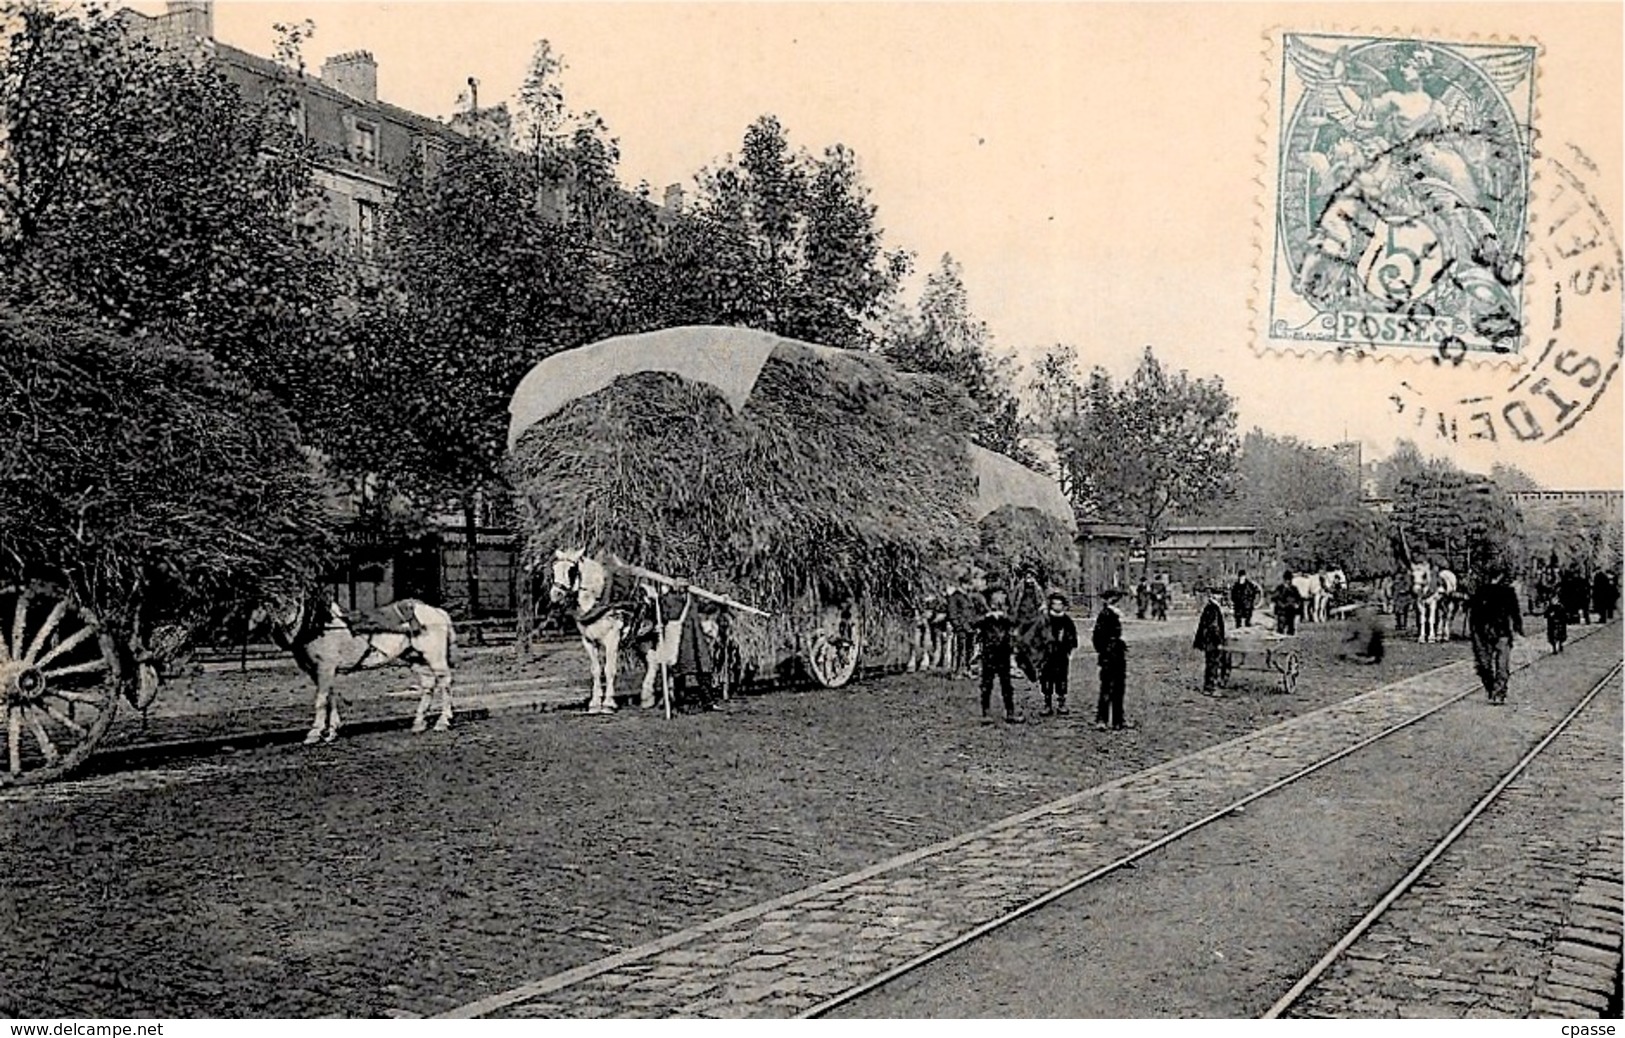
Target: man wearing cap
[1060,641]
[1113,654]
[1493,617]
[1210,640]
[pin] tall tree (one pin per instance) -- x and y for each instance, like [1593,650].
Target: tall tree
[1158,444]
[1278,478]
[777,240]
[143,186]
[1512,479]
[1407,461]
[484,285]
[947,339]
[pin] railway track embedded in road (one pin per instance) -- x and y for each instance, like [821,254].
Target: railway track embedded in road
[1336,952]
[1236,806]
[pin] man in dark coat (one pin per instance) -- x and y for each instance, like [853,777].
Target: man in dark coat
[1576,596]
[1210,640]
[1493,618]
[1244,596]
[1060,641]
[1602,596]
[693,675]
[1113,655]
[1159,599]
[1142,599]
[1288,604]
[995,630]
[962,615]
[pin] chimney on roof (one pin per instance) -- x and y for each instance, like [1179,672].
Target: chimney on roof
[194,18]
[674,197]
[354,72]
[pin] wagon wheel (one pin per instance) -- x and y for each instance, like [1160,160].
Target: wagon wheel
[1289,672]
[59,676]
[833,658]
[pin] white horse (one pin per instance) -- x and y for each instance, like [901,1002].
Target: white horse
[1314,596]
[325,645]
[1434,589]
[607,615]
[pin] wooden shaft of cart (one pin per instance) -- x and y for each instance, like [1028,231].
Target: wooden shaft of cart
[660,647]
[697,592]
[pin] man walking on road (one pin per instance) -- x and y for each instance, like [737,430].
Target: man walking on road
[1210,641]
[1288,605]
[1493,618]
[1113,654]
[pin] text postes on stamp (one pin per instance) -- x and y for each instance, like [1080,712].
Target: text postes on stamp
[1399,179]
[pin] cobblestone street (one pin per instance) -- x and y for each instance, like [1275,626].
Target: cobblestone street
[1522,916]
[389,874]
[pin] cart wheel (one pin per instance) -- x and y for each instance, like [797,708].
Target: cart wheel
[1289,672]
[146,685]
[59,676]
[836,645]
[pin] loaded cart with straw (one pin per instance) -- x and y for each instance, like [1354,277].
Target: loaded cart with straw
[821,485]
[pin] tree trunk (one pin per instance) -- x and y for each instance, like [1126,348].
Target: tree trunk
[471,559]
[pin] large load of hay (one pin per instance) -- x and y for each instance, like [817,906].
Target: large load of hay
[794,477]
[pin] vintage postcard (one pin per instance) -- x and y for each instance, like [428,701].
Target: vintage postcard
[542,511]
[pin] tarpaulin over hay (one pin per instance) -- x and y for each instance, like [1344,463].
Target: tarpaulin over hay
[731,360]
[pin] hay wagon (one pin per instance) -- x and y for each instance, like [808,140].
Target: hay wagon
[63,671]
[819,483]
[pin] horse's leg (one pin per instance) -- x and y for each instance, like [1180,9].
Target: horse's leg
[652,669]
[425,683]
[594,704]
[612,654]
[333,720]
[442,678]
[323,677]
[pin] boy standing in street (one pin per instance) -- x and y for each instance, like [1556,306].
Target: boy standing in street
[1113,654]
[1060,642]
[994,630]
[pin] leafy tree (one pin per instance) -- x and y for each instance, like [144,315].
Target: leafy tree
[1512,479]
[483,284]
[143,187]
[1280,479]
[777,240]
[946,339]
[1408,462]
[1568,538]
[1156,445]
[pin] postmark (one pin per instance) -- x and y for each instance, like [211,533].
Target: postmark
[1398,177]
[1575,317]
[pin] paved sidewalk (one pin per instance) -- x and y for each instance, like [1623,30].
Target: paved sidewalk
[788,955]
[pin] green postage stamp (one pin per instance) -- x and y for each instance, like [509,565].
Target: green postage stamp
[1399,171]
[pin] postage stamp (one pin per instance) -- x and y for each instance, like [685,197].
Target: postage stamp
[1398,179]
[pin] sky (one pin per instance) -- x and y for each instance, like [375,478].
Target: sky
[1095,168]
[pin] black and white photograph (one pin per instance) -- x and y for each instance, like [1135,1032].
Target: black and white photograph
[840,510]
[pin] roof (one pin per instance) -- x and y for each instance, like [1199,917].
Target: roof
[731,359]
